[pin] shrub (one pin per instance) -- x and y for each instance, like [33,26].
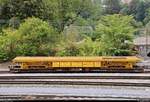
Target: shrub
[34,37]
[37,37]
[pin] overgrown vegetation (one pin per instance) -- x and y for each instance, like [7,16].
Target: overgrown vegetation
[70,27]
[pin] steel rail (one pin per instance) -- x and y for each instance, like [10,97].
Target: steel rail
[65,97]
[74,77]
[110,82]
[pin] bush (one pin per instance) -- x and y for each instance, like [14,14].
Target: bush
[3,56]
[37,37]
[115,32]
[34,37]
[89,47]
[69,50]
[86,47]
[8,44]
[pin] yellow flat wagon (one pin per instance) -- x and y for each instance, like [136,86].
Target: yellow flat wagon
[74,63]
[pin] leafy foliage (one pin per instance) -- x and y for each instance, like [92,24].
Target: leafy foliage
[33,37]
[138,9]
[8,44]
[115,33]
[37,37]
[70,50]
[86,47]
[59,13]
[70,27]
[89,47]
[112,6]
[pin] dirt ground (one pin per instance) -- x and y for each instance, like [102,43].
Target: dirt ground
[4,65]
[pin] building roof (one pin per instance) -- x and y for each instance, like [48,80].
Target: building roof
[142,41]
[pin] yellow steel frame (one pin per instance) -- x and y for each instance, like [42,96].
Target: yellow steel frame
[78,62]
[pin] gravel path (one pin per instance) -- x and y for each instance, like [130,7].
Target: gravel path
[102,91]
[4,66]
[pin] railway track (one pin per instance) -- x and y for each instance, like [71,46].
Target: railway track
[116,82]
[76,76]
[119,79]
[78,79]
[4,72]
[65,97]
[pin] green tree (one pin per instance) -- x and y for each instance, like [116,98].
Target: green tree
[23,8]
[116,34]
[140,15]
[88,47]
[112,6]
[13,12]
[70,50]
[37,36]
[147,30]
[34,37]
[59,13]
[8,44]
[70,10]
[147,16]
[132,7]
[138,9]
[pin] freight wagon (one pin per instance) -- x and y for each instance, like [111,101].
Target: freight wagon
[83,64]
